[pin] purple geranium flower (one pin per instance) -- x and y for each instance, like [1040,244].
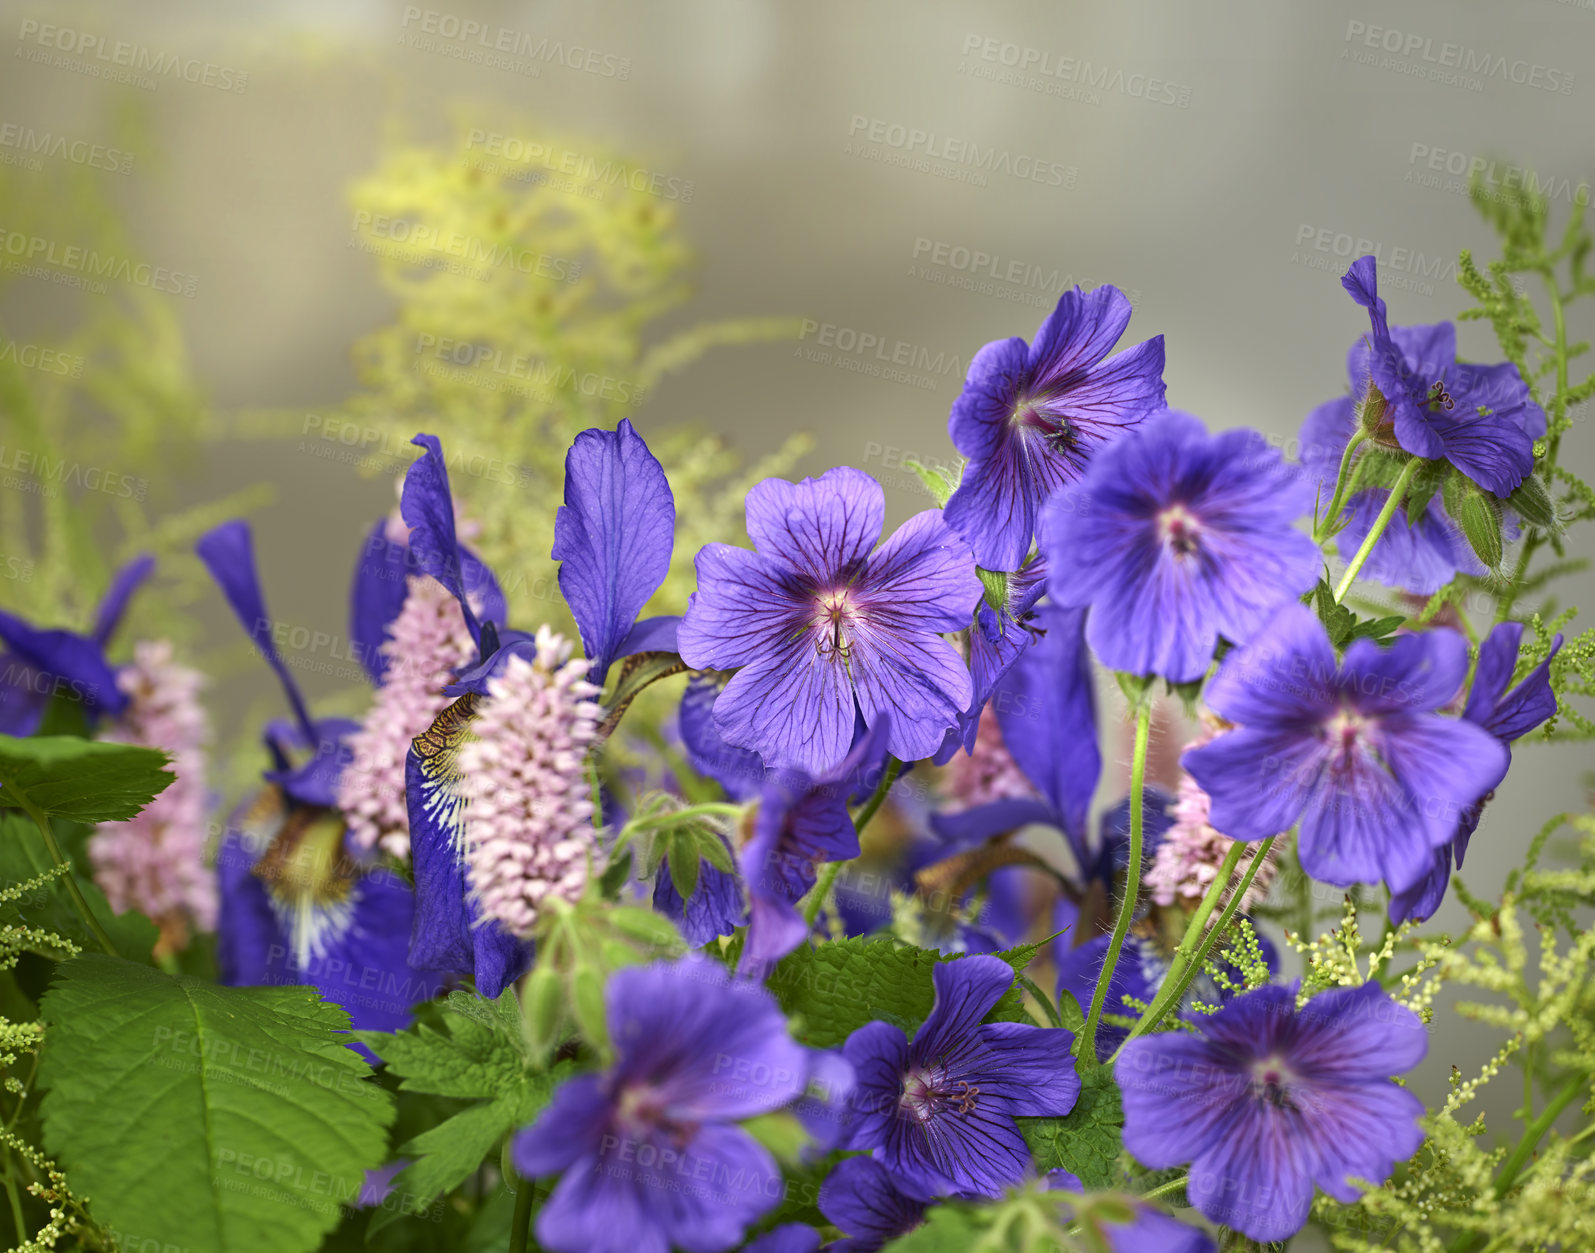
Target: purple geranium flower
[1268,1100]
[1505,715]
[38,666]
[1045,704]
[818,623]
[1421,555]
[801,821]
[1480,418]
[1356,752]
[649,1150]
[865,1202]
[1031,416]
[1176,538]
[940,1112]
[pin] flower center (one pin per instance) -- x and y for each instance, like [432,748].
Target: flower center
[833,612]
[929,1092]
[1058,433]
[1345,731]
[639,1106]
[1179,529]
[1271,1082]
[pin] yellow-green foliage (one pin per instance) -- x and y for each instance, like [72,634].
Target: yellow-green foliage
[528,310]
[104,423]
[1459,1194]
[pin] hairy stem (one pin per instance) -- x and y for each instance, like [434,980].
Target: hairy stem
[1132,885]
[1337,502]
[1397,495]
[521,1223]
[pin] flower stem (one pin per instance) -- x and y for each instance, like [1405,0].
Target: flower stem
[1194,947]
[822,890]
[1338,501]
[520,1224]
[1132,885]
[20,799]
[708,809]
[1397,495]
[1163,1189]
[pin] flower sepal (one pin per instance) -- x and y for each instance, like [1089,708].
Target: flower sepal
[1478,514]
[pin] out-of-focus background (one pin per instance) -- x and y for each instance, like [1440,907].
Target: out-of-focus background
[895,184]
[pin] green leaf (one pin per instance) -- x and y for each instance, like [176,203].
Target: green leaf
[840,986]
[1338,621]
[83,780]
[1087,1141]
[231,1119]
[941,484]
[49,907]
[467,1047]
[714,851]
[1429,478]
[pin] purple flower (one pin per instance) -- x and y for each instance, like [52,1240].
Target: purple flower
[1045,705]
[801,821]
[300,903]
[1175,538]
[817,622]
[1356,752]
[1031,416]
[1269,1100]
[1150,1230]
[864,1201]
[648,1151]
[613,537]
[41,665]
[1505,715]
[940,1112]
[1480,418]
[787,1238]
[1420,556]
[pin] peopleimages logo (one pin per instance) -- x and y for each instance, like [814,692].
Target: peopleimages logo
[916,148]
[1497,178]
[1025,61]
[130,58]
[1447,58]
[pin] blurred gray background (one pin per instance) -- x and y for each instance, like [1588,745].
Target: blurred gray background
[1222,163]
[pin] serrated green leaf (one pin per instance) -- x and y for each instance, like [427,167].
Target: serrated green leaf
[840,986]
[456,1048]
[1377,628]
[1087,1141]
[448,1154]
[231,1119]
[50,908]
[82,780]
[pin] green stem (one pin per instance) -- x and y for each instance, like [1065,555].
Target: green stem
[822,890]
[1163,1189]
[1397,495]
[521,1223]
[20,798]
[708,809]
[1132,884]
[1180,978]
[1535,1131]
[1519,1157]
[16,1204]
[1338,501]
